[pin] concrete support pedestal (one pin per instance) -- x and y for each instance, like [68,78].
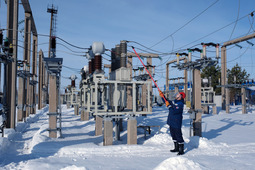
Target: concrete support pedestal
[223,77]
[227,100]
[53,126]
[40,80]
[214,110]
[99,126]
[84,115]
[205,109]
[197,128]
[68,105]
[21,100]
[76,109]
[53,107]
[108,132]
[132,131]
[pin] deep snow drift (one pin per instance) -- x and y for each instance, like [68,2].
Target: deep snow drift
[228,142]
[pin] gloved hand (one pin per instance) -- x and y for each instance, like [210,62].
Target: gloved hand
[161,93]
[167,103]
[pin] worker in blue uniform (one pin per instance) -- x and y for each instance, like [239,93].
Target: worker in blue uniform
[174,120]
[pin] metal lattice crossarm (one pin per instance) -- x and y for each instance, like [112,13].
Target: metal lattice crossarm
[143,55]
[238,86]
[142,77]
[177,78]
[198,64]
[177,84]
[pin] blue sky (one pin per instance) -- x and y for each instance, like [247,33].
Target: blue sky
[82,22]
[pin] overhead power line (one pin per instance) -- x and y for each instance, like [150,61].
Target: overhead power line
[185,24]
[72,44]
[236,21]
[158,52]
[213,32]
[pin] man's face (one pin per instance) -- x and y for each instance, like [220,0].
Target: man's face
[178,96]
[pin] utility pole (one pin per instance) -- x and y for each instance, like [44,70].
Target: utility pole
[12,34]
[54,67]
[224,84]
[40,83]
[27,54]
[26,94]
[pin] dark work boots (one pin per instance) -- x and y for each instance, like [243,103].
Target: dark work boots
[181,149]
[176,147]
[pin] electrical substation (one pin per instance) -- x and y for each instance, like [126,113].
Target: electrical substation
[122,93]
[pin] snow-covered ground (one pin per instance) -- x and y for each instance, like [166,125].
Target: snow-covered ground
[228,142]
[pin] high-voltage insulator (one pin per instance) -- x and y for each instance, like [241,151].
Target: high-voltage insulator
[90,56]
[178,58]
[6,45]
[113,59]
[10,50]
[84,72]
[189,55]
[98,49]
[6,42]
[73,83]
[210,44]
[123,46]
[73,77]
[123,51]
[93,65]
[53,42]
[98,63]
[117,53]
[217,51]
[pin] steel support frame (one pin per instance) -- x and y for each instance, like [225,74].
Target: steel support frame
[125,112]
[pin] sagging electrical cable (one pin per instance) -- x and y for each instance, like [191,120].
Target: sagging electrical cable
[167,103]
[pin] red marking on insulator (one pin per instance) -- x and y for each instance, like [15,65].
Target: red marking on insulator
[98,63]
[90,67]
[73,83]
[93,65]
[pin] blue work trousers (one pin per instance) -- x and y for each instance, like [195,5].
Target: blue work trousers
[176,134]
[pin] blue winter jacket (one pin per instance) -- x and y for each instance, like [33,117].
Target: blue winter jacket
[175,113]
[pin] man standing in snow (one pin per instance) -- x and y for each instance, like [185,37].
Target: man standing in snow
[174,120]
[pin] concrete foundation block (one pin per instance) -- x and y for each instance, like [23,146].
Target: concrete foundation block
[98,126]
[205,109]
[53,126]
[214,110]
[132,131]
[108,132]
[68,105]
[76,109]
[84,115]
